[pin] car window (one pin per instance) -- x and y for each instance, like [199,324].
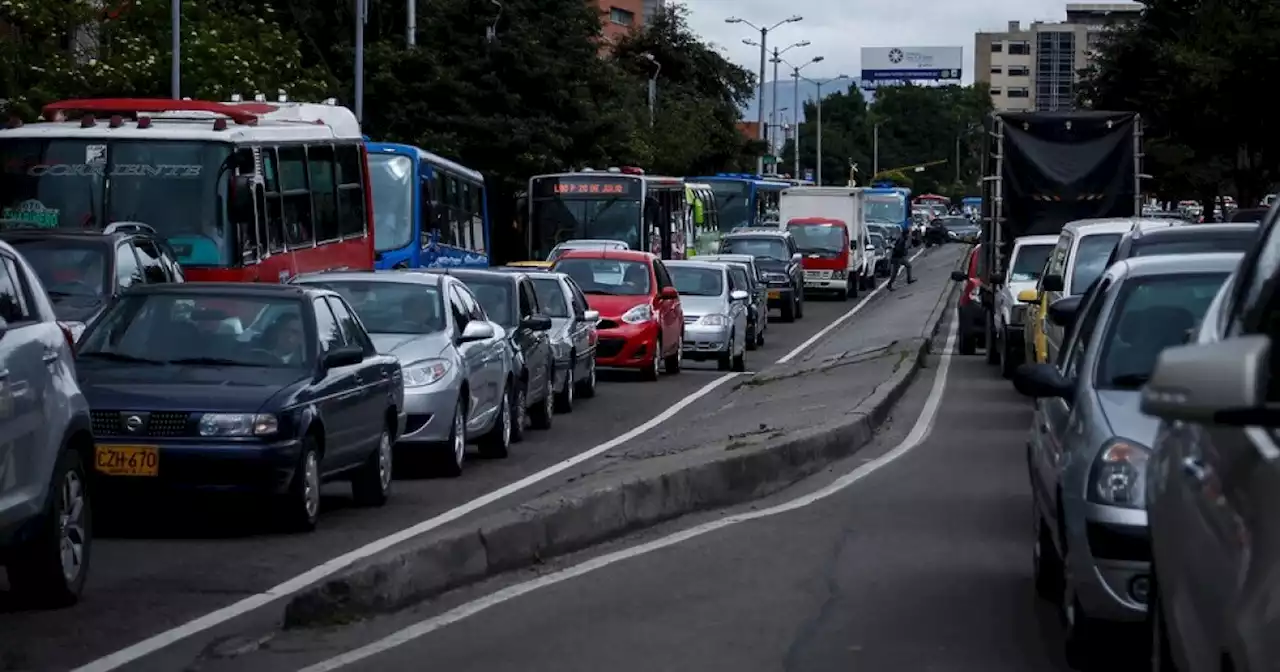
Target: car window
[608,276]
[13,304]
[69,270]
[738,279]
[127,270]
[579,301]
[459,309]
[327,328]
[1077,339]
[551,297]
[153,271]
[1197,245]
[663,274]
[691,281]
[391,307]
[469,301]
[352,332]
[768,247]
[1152,314]
[1058,260]
[1028,262]
[1091,260]
[528,302]
[497,297]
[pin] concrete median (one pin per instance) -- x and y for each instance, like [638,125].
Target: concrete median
[647,484]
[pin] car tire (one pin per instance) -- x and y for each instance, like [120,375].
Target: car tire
[496,444]
[565,397]
[1008,360]
[760,336]
[738,362]
[725,359]
[1161,651]
[675,361]
[541,415]
[799,304]
[789,311]
[587,386]
[519,410]
[850,289]
[650,372]
[1046,564]
[751,338]
[450,456]
[1081,637]
[300,508]
[37,573]
[371,483]
[988,336]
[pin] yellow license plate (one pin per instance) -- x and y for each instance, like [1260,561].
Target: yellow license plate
[127,460]
[775,294]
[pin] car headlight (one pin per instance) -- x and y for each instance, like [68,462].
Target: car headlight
[1118,475]
[426,372]
[638,314]
[714,321]
[238,424]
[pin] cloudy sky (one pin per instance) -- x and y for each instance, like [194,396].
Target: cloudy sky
[838,29]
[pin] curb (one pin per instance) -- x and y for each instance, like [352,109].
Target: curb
[562,523]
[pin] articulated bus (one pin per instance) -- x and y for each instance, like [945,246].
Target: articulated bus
[647,212]
[887,204]
[745,200]
[242,191]
[428,211]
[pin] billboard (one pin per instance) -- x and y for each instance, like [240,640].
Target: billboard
[901,64]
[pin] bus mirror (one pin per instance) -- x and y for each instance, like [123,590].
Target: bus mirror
[240,207]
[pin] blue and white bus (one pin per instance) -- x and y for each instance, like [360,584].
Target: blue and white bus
[427,210]
[745,200]
[887,204]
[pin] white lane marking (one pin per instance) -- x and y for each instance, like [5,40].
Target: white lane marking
[840,320]
[919,432]
[321,572]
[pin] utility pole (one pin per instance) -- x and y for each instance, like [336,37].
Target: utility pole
[411,25]
[820,83]
[795,78]
[175,30]
[764,55]
[875,150]
[361,16]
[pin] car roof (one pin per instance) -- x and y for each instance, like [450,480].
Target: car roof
[1194,231]
[465,274]
[525,270]
[428,279]
[65,234]
[1086,227]
[688,263]
[740,258]
[753,231]
[264,290]
[1175,264]
[605,253]
[1050,239]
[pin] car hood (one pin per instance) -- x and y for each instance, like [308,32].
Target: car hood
[697,306]
[235,389]
[410,348]
[771,265]
[613,307]
[1124,415]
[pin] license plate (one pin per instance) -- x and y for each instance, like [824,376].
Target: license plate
[775,294]
[127,460]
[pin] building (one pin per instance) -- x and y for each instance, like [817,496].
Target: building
[620,16]
[1036,67]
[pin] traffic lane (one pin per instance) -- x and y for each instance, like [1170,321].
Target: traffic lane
[923,565]
[178,562]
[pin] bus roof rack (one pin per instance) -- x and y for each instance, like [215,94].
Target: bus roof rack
[129,227]
[245,114]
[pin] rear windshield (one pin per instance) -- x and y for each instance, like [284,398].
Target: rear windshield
[392,307]
[768,248]
[1092,254]
[697,281]
[1238,242]
[1030,262]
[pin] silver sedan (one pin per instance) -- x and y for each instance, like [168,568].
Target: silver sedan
[455,362]
[715,312]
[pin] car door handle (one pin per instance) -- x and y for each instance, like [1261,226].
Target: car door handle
[1195,468]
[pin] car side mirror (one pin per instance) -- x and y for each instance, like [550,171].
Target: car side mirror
[476,330]
[959,276]
[536,322]
[1063,311]
[1052,283]
[796,258]
[871,248]
[592,316]
[1221,383]
[1028,296]
[669,293]
[345,356]
[738,295]
[1042,381]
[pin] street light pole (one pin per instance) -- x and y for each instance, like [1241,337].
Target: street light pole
[764,55]
[819,83]
[175,29]
[653,88]
[361,15]
[875,150]
[795,77]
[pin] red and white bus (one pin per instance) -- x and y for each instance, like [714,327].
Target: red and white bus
[242,191]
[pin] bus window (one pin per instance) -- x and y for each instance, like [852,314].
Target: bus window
[245,224]
[427,207]
[275,204]
[476,211]
[459,220]
[324,195]
[444,197]
[350,180]
[296,197]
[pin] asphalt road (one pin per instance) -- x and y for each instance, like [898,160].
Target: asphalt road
[922,565]
[179,562]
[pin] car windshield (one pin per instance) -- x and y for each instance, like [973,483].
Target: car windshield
[1237,242]
[391,179]
[693,281]
[497,297]
[889,209]
[760,248]
[818,237]
[201,329]
[1029,261]
[68,269]
[1150,315]
[387,307]
[607,276]
[1092,253]
[551,297]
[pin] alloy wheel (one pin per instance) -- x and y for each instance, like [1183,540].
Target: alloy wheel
[71,526]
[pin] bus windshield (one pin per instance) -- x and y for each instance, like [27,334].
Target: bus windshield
[391,177]
[175,186]
[556,220]
[733,204]
[887,209]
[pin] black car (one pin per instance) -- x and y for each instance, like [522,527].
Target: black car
[959,229]
[777,262]
[249,388]
[1247,215]
[511,301]
[83,270]
[935,233]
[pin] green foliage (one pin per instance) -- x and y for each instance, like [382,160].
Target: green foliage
[897,177]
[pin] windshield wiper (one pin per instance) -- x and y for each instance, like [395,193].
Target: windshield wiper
[1131,380]
[117,357]
[213,361]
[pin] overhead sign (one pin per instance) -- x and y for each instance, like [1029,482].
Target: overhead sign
[883,64]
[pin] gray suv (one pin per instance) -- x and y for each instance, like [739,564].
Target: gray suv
[46,445]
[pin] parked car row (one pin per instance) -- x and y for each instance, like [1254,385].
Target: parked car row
[1152,454]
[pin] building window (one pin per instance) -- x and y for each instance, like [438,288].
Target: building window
[1020,48]
[1019,93]
[997,47]
[1019,71]
[621,16]
[995,69]
[995,92]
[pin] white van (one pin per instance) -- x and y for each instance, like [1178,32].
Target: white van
[845,204]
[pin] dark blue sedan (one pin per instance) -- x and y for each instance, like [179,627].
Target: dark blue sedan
[245,388]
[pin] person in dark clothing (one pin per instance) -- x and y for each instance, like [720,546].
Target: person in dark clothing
[898,260]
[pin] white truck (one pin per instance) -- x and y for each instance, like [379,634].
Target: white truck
[833,262]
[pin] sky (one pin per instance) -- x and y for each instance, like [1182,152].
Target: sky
[838,29]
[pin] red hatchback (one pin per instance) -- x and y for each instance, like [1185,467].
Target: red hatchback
[641,320]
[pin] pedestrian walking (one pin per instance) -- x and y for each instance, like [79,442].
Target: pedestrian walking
[898,259]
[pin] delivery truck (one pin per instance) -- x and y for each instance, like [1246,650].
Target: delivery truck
[1042,170]
[829,266]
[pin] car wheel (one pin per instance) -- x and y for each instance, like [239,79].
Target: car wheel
[301,505]
[760,338]
[497,443]
[651,372]
[739,362]
[540,415]
[587,387]
[519,410]
[1008,361]
[564,398]
[1047,566]
[371,484]
[1161,652]
[451,456]
[1081,635]
[49,569]
[799,304]
[675,361]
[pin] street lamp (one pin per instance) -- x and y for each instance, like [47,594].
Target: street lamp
[777,58]
[653,86]
[764,54]
[820,83]
[795,78]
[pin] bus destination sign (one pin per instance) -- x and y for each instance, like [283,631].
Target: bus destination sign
[587,187]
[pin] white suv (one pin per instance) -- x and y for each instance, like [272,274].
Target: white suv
[46,445]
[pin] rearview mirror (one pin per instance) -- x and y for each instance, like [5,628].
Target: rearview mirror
[738,295]
[959,276]
[796,258]
[669,293]
[1028,296]
[592,316]
[1042,381]
[1220,383]
[476,330]
[344,356]
[1052,283]
[536,322]
[1063,311]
